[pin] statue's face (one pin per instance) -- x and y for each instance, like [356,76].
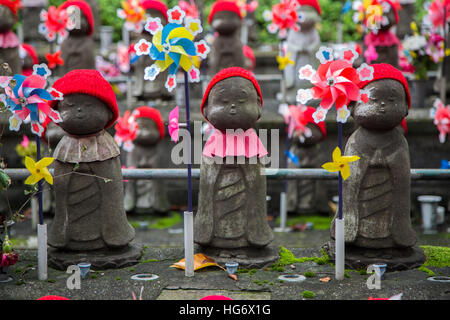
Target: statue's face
[83,114]
[226,22]
[82,28]
[148,133]
[233,103]
[7,19]
[315,138]
[386,107]
[308,17]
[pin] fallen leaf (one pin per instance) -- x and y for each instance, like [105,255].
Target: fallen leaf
[326,279]
[233,276]
[292,266]
[200,261]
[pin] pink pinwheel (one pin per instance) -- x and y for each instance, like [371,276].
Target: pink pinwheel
[335,82]
[284,17]
[190,8]
[54,23]
[298,122]
[126,131]
[436,12]
[174,125]
[441,115]
[26,97]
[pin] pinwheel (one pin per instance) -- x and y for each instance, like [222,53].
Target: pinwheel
[174,125]
[133,13]
[26,97]
[246,7]
[173,47]
[436,13]
[441,115]
[284,17]
[190,8]
[54,23]
[335,82]
[126,131]
[296,120]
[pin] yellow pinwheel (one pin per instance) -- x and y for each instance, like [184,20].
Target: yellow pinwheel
[284,61]
[38,170]
[340,163]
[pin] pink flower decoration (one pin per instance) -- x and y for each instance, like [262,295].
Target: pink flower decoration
[442,119]
[371,54]
[284,16]
[174,126]
[190,8]
[25,142]
[153,25]
[365,72]
[176,15]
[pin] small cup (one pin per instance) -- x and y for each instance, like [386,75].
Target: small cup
[85,267]
[232,267]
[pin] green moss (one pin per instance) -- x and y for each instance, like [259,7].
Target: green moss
[258,282]
[94,276]
[281,281]
[158,223]
[362,272]
[271,283]
[131,269]
[309,274]
[320,222]
[308,294]
[426,270]
[118,278]
[436,256]
[51,280]
[287,258]
[149,260]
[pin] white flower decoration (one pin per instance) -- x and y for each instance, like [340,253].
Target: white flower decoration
[365,72]
[325,55]
[349,55]
[142,47]
[153,25]
[194,74]
[176,15]
[304,95]
[151,72]
[202,48]
[306,73]
[171,83]
[342,114]
[320,115]
[194,26]
[42,70]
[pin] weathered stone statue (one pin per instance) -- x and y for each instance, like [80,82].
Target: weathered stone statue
[146,196]
[77,50]
[308,196]
[29,58]
[302,45]
[225,18]
[231,222]
[9,43]
[31,19]
[381,39]
[376,196]
[145,90]
[90,221]
[406,16]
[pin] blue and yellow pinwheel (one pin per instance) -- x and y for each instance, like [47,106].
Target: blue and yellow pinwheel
[172,47]
[26,98]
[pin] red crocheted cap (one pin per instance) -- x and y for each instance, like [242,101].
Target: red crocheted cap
[228,73]
[394,7]
[321,125]
[404,125]
[31,52]
[223,5]
[85,8]
[387,71]
[14,6]
[53,298]
[155,5]
[312,3]
[248,52]
[151,113]
[90,82]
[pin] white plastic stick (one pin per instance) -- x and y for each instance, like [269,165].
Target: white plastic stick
[283,211]
[189,243]
[42,251]
[340,249]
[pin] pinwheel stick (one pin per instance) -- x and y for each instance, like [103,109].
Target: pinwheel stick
[38,157]
[339,224]
[443,76]
[188,215]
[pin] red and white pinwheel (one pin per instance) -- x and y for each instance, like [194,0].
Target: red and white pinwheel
[126,131]
[284,17]
[335,82]
[296,120]
[54,24]
[441,115]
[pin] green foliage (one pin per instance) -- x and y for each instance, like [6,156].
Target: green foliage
[320,222]
[426,270]
[287,258]
[309,274]
[308,294]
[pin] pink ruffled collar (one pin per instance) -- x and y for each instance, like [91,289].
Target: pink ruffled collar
[238,143]
[8,39]
[382,38]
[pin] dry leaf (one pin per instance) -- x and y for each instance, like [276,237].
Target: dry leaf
[233,276]
[326,279]
[200,261]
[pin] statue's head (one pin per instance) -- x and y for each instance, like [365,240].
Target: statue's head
[150,126]
[225,17]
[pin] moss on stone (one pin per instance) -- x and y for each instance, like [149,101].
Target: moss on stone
[320,222]
[436,256]
[309,274]
[426,270]
[308,294]
[287,258]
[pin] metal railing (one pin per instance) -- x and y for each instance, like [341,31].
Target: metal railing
[275,174]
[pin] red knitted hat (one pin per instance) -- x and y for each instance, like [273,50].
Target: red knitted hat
[404,125]
[85,8]
[31,52]
[321,125]
[90,82]
[248,52]
[394,7]
[224,5]
[312,3]
[13,5]
[228,73]
[151,113]
[387,71]
[155,5]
